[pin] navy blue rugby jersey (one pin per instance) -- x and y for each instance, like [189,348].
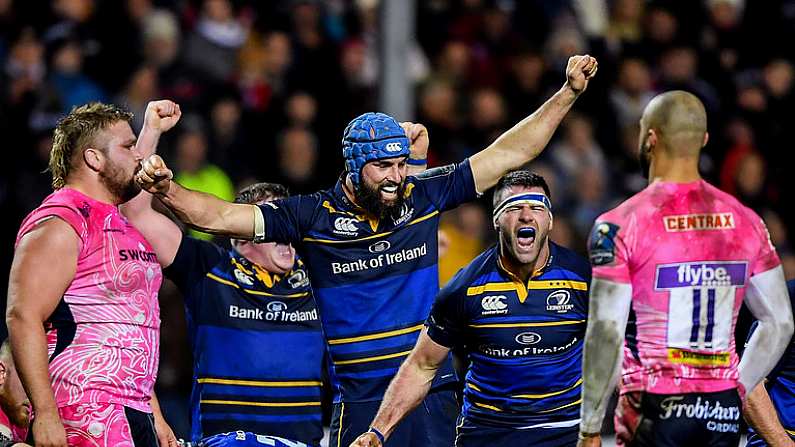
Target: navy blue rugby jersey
[257,344]
[781,384]
[374,281]
[523,340]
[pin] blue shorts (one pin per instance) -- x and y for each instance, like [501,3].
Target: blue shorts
[473,435]
[431,424]
[247,439]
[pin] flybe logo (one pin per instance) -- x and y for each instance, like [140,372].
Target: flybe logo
[137,255]
[701,274]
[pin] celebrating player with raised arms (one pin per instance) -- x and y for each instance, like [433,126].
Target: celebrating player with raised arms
[517,312]
[671,267]
[370,246]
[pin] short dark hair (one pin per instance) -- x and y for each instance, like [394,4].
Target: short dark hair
[261,191]
[521,177]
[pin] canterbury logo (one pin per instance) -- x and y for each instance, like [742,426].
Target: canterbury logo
[493,302]
[345,224]
[393,147]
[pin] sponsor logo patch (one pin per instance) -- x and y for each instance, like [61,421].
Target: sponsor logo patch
[698,222]
[559,301]
[701,274]
[494,305]
[602,245]
[691,358]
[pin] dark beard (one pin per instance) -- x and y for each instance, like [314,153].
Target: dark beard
[370,199]
[123,191]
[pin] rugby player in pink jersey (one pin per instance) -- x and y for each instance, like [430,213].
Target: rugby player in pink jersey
[671,268]
[83,315]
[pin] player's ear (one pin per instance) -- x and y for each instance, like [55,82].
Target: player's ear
[706,139]
[93,158]
[551,220]
[651,140]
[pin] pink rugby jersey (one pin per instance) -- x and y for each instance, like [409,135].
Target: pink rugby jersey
[103,337]
[688,251]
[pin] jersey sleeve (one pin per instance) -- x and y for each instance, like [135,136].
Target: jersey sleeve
[449,186]
[607,251]
[785,363]
[193,260]
[446,321]
[68,214]
[287,220]
[766,257]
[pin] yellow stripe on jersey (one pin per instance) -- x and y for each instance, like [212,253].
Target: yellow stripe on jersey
[576,402]
[342,341]
[261,383]
[372,236]
[259,404]
[553,393]
[254,292]
[557,284]
[372,359]
[541,324]
[490,407]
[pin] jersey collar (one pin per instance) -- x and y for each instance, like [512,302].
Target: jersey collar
[521,287]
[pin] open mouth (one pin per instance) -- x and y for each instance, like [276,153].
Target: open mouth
[526,236]
[389,190]
[283,250]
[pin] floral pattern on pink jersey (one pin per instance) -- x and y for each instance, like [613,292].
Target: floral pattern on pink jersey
[96,425]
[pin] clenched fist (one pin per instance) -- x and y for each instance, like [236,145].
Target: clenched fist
[418,136]
[579,71]
[367,439]
[162,115]
[154,176]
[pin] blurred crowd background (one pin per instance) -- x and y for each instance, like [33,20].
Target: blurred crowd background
[267,87]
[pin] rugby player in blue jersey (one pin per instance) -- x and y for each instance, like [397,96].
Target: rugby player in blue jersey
[770,408]
[253,326]
[517,312]
[370,244]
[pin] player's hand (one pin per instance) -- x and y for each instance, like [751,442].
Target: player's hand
[154,176]
[590,441]
[579,71]
[418,136]
[162,115]
[165,435]
[48,430]
[367,439]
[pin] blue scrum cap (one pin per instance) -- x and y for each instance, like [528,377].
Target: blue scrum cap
[372,136]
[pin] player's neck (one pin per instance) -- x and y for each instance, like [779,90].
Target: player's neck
[674,169]
[525,271]
[93,188]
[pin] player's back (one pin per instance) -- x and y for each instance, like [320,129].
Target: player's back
[688,250]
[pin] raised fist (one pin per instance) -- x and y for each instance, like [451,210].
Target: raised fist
[162,115]
[418,136]
[154,176]
[579,71]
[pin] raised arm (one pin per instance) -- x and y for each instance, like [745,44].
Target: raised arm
[608,310]
[761,415]
[163,234]
[768,301]
[199,210]
[418,157]
[525,140]
[31,301]
[407,389]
